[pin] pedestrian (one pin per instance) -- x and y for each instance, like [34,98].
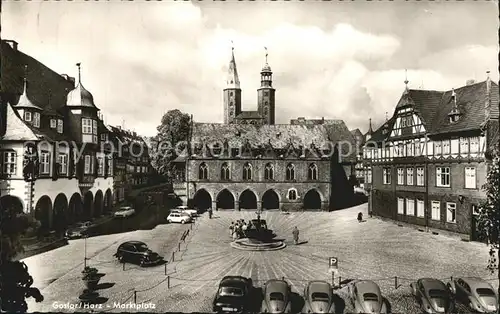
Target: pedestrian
[360,217]
[210,213]
[295,233]
[231,228]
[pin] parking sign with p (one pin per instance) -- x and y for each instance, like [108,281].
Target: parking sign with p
[334,263]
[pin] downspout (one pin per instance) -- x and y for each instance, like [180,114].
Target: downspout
[426,182]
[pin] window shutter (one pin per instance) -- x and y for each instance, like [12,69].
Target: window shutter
[96,166]
[55,162]
[105,166]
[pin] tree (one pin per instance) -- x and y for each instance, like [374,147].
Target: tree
[171,140]
[15,280]
[488,220]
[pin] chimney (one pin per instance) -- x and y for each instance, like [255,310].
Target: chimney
[470,82]
[322,120]
[12,43]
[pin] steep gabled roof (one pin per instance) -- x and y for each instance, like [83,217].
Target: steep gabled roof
[16,128]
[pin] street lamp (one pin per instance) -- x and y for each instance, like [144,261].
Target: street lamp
[84,251]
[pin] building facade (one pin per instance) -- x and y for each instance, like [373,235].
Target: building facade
[250,162]
[426,164]
[132,164]
[51,135]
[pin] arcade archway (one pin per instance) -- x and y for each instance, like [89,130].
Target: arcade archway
[312,200]
[88,202]
[98,204]
[11,203]
[108,201]
[75,209]
[248,200]
[225,200]
[270,200]
[42,213]
[60,212]
[202,200]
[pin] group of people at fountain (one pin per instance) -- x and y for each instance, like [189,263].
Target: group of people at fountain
[238,229]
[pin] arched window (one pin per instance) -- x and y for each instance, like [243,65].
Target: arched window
[269,172]
[224,172]
[247,172]
[290,172]
[312,173]
[292,194]
[203,171]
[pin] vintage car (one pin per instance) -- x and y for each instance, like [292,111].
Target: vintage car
[79,230]
[318,297]
[137,252]
[185,209]
[432,295]
[365,297]
[233,295]
[478,294]
[179,217]
[124,212]
[276,297]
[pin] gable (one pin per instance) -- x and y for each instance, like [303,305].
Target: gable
[16,129]
[407,122]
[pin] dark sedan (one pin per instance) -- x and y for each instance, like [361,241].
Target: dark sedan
[233,295]
[137,252]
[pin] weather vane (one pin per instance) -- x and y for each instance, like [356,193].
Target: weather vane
[232,45]
[265,48]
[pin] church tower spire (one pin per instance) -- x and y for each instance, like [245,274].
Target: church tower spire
[232,91]
[266,93]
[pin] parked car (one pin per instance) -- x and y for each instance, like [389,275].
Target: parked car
[179,218]
[276,297]
[475,292]
[432,295]
[318,297]
[137,252]
[365,297]
[78,230]
[233,295]
[185,209]
[124,212]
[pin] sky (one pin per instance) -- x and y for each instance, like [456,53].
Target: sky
[337,60]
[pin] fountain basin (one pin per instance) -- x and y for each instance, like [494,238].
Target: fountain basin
[247,244]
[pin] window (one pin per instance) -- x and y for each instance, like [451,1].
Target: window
[104,137]
[94,127]
[438,148]
[269,172]
[62,160]
[409,176]
[420,176]
[59,126]
[403,122]
[368,175]
[387,152]
[436,210]
[410,149]
[36,119]
[266,93]
[53,123]
[401,176]
[451,209]
[27,116]
[9,162]
[443,176]
[88,164]
[474,144]
[110,167]
[86,126]
[100,165]
[290,172]
[224,172]
[247,172]
[387,175]
[45,163]
[292,194]
[203,171]
[464,145]
[410,207]
[446,147]
[470,177]
[312,173]
[420,208]
[401,206]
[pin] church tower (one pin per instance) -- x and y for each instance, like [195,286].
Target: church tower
[265,94]
[232,92]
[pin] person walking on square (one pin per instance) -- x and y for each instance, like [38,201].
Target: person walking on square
[360,217]
[295,234]
[210,213]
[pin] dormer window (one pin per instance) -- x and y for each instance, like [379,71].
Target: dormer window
[60,125]
[27,116]
[53,123]
[36,119]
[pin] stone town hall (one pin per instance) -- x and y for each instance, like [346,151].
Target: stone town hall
[249,162]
